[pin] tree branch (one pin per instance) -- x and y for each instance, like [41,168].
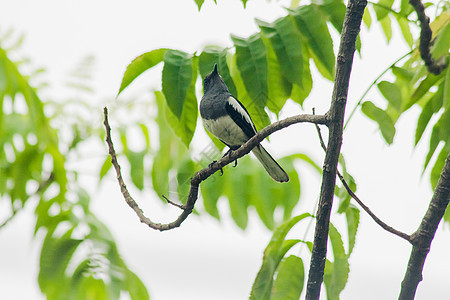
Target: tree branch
[425,39]
[204,173]
[422,238]
[352,24]
[363,206]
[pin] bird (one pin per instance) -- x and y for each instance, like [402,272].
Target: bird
[225,117]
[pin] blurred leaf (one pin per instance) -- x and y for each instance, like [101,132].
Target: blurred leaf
[289,194]
[335,278]
[392,93]
[437,168]
[424,88]
[382,8]
[199,3]
[90,288]
[403,23]
[442,43]
[402,73]
[178,80]
[211,190]
[299,93]
[135,287]
[139,65]
[252,64]
[185,171]
[367,18]
[136,160]
[387,28]
[273,254]
[54,259]
[431,107]
[238,189]
[382,118]
[107,164]
[290,279]
[434,142]
[353,216]
[313,28]
[334,10]
[446,89]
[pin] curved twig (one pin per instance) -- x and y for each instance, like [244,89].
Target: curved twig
[204,173]
[377,220]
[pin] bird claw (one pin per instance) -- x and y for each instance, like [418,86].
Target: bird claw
[211,164]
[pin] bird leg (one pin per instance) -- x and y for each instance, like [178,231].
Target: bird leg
[229,153]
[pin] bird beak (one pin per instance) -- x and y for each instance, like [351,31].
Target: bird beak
[215,69]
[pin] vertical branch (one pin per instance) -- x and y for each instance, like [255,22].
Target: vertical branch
[350,31]
[422,238]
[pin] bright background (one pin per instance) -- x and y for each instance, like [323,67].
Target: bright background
[205,259]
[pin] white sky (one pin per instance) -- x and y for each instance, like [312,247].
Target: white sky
[205,259]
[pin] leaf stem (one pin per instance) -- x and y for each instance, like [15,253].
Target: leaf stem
[370,87]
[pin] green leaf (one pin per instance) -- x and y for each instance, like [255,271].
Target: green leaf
[299,93]
[54,259]
[177,79]
[336,280]
[289,195]
[382,8]
[313,28]
[273,254]
[424,88]
[384,121]
[402,73]
[136,160]
[214,55]
[107,164]
[252,64]
[287,44]
[367,18]
[403,23]
[442,43]
[446,89]
[184,173]
[437,168]
[265,197]
[334,10]
[90,288]
[135,287]
[392,93]
[434,142]
[257,112]
[211,190]
[180,86]
[199,3]
[433,105]
[238,183]
[290,279]
[387,28]
[139,65]
[352,215]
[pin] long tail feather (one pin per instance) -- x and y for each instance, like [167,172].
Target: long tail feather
[272,167]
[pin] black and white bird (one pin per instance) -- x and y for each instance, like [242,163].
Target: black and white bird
[228,120]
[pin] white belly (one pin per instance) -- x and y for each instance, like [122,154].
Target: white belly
[225,129]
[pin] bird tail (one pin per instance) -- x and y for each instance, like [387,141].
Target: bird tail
[271,166]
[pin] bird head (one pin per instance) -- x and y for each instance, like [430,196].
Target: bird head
[214,82]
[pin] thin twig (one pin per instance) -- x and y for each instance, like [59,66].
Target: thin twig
[181,206]
[363,206]
[425,39]
[370,87]
[204,173]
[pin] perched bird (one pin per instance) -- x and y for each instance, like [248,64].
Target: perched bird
[228,120]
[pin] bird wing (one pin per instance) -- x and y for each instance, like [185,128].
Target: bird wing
[240,116]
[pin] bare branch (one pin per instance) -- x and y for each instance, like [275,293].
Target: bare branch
[350,31]
[422,238]
[425,39]
[204,173]
[363,206]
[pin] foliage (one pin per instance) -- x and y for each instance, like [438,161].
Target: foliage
[79,258]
